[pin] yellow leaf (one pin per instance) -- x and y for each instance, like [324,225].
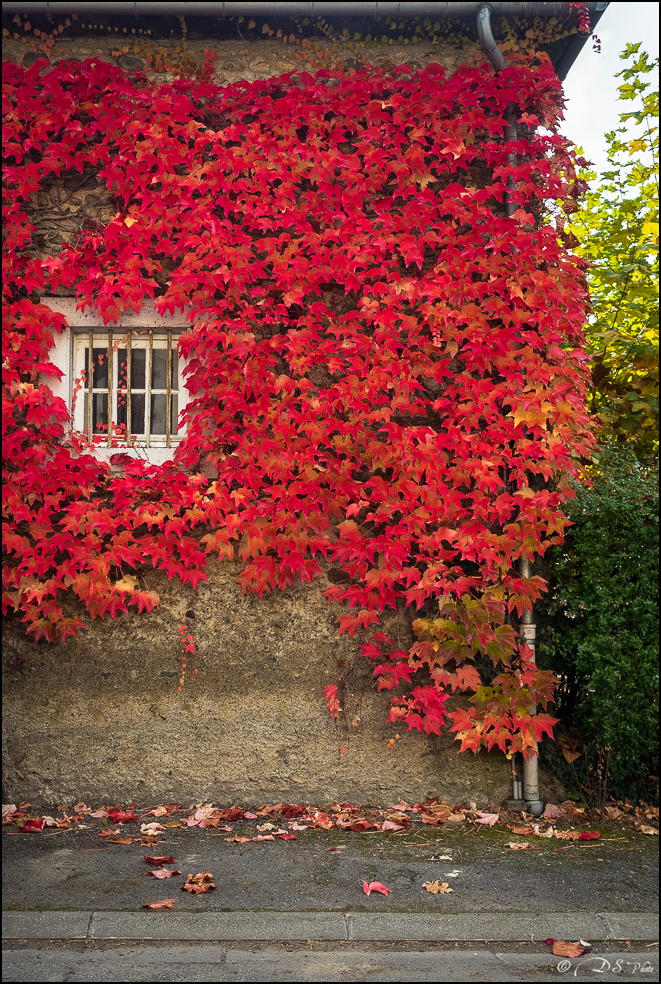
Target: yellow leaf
[127,583]
[651,229]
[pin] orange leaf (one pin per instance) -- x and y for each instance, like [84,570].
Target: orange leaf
[163,904]
[199,883]
[437,888]
[562,948]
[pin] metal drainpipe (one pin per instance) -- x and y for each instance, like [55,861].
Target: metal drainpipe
[528,629]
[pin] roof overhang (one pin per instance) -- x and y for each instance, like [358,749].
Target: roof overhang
[563,53]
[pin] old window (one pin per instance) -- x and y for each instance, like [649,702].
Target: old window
[132,393]
[123,383]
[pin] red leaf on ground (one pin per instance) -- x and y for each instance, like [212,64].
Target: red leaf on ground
[588,835]
[122,816]
[159,861]
[31,825]
[164,873]
[375,887]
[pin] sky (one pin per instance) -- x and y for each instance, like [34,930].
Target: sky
[593,107]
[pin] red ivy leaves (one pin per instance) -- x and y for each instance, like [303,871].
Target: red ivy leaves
[387,369]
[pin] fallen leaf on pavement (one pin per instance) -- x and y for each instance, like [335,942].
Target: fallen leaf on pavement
[437,888]
[553,811]
[148,839]
[375,887]
[163,904]
[518,828]
[107,833]
[521,846]
[238,839]
[562,948]
[646,829]
[164,873]
[199,883]
[440,857]
[542,833]
[488,818]
[287,837]
[588,835]
[151,828]
[31,825]
[165,859]
[122,816]
[164,810]
[121,840]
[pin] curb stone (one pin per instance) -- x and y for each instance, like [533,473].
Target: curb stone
[330,926]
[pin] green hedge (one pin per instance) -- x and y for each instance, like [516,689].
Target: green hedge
[598,631]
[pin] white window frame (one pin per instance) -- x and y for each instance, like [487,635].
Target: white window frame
[147,330]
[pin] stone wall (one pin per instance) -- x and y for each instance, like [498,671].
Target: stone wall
[102,717]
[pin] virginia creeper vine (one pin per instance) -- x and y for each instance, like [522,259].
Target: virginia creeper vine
[387,369]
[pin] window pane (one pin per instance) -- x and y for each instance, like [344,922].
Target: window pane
[100,413]
[174,414]
[158,410]
[159,369]
[121,368]
[137,413]
[138,364]
[100,376]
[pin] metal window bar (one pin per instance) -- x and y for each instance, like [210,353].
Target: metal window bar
[109,418]
[90,377]
[129,336]
[148,388]
[168,398]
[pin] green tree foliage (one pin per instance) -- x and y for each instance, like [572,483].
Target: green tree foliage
[599,626]
[618,230]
